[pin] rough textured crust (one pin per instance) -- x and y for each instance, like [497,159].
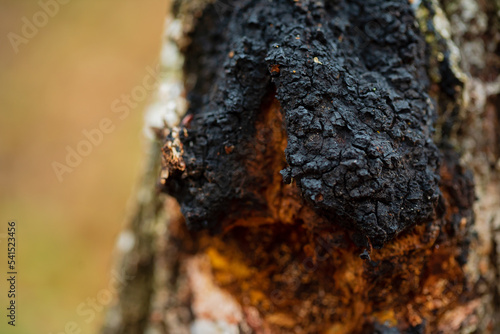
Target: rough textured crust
[357,113]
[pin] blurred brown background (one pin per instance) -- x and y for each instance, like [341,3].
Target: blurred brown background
[60,83]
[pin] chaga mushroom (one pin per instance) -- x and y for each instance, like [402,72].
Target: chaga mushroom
[351,82]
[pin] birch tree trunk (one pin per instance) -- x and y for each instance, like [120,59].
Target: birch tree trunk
[252,254]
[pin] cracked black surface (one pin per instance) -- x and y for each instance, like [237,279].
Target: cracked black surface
[350,77]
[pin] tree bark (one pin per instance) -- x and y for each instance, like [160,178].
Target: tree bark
[401,238]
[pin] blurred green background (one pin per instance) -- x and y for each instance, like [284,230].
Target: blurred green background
[60,83]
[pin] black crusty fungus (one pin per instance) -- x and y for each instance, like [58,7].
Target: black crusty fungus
[350,77]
